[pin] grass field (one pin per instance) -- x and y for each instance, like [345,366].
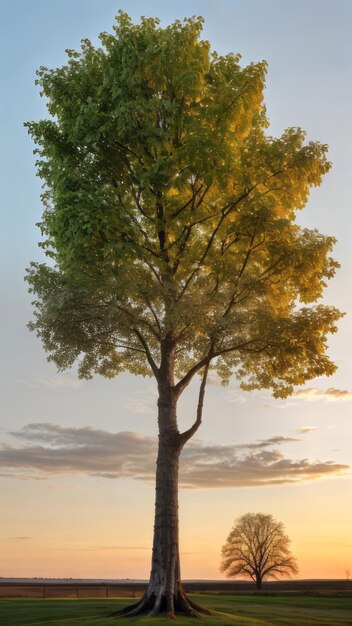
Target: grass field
[233,611]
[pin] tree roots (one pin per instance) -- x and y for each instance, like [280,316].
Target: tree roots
[151,605]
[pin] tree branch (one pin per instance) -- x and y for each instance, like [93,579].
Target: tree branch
[182,384]
[187,434]
[224,213]
[151,361]
[195,192]
[139,320]
[151,309]
[244,264]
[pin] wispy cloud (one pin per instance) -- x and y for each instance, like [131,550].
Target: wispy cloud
[330,394]
[22,538]
[139,406]
[282,406]
[56,382]
[265,443]
[214,379]
[234,396]
[275,404]
[142,403]
[108,548]
[305,429]
[49,449]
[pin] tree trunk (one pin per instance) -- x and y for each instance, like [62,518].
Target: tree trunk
[165,592]
[258,583]
[164,584]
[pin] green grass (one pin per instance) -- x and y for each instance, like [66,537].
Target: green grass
[233,611]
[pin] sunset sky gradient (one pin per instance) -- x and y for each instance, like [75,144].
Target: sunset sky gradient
[77,458]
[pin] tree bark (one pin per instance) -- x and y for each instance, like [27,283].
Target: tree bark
[165,592]
[164,584]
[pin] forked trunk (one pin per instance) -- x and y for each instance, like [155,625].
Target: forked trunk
[165,592]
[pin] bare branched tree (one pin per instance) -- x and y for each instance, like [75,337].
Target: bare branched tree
[257,547]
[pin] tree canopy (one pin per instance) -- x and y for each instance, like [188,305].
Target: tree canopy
[257,548]
[169,211]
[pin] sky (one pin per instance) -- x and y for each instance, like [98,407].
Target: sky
[77,458]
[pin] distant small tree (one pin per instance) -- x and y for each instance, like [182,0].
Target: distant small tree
[257,547]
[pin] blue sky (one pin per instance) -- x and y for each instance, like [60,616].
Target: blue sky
[308,47]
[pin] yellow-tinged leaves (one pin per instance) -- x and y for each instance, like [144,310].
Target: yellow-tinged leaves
[169,209]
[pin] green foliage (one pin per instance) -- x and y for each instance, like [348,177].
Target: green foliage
[170,212]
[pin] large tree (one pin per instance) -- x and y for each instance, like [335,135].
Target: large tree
[169,223]
[257,548]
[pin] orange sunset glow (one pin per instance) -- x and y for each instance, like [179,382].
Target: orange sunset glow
[78,448]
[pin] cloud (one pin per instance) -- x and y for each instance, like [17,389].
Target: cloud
[99,548]
[265,443]
[79,450]
[143,403]
[22,538]
[108,548]
[235,397]
[49,449]
[139,406]
[282,406]
[51,383]
[306,429]
[214,379]
[275,404]
[330,394]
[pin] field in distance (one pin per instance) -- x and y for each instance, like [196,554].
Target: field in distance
[233,611]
